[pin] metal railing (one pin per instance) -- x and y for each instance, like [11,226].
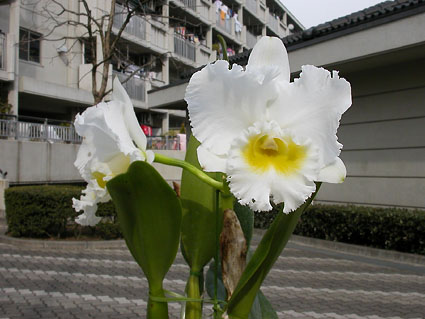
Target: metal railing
[135,87]
[2,51]
[20,130]
[164,143]
[184,48]
[191,4]
[136,26]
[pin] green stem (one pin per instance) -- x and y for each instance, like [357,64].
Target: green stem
[217,252]
[223,47]
[157,309]
[159,158]
[193,309]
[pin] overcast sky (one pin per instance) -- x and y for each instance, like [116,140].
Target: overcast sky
[314,12]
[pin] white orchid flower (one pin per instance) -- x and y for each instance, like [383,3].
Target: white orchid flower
[112,140]
[272,137]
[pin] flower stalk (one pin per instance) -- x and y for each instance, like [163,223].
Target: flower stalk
[159,158]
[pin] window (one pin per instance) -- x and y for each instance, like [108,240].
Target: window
[29,45]
[87,50]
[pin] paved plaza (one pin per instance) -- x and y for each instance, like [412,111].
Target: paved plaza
[306,282]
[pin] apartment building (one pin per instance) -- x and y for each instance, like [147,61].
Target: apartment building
[45,65]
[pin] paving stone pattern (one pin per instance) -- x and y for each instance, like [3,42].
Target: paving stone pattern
[306,282]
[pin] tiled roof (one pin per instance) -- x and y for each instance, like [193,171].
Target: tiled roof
[378,14]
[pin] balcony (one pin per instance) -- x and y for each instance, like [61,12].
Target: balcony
[184,48]
[136,25]
[251,39]
[191,4]
[257,8]
[135,86]
[33,131]
[2,51]
[227,25]
[204,9]
[273,23]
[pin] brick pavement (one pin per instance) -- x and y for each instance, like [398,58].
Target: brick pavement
[306,282]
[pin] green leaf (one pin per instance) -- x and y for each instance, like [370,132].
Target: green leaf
[209,282]
[149,213]
[266,254]
[262,308]
[199,219]
[246,219]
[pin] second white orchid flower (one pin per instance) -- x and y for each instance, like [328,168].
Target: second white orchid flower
[272,138]
[112,140]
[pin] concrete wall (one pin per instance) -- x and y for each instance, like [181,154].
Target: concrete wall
[383,134]
[42,162]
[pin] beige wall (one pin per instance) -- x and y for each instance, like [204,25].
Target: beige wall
[43,162]
[384,139]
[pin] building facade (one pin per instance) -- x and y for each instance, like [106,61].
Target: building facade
[381,51]
[45,60]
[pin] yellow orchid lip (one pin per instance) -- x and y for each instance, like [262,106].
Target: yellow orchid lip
[264,152]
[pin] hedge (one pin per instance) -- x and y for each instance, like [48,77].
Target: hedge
[386,228]
[46,211]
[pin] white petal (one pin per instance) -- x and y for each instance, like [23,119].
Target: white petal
[312,106]
[333,173]
[136,133]
[254,187]
[269,52]
[210,162]
[223,102]
[84,157]
[93,194]
[88,218]
[104,127]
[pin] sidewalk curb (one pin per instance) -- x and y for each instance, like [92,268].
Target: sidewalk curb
[314,242]
[389,255]
[62,244]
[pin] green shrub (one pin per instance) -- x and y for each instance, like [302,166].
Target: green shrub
[108,230]
[387,228]
[46,211]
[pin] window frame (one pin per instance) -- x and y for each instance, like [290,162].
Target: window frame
[25,48]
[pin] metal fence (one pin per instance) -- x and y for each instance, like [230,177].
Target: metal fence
[184,48]
[21,130]
[164,143]
[12,128]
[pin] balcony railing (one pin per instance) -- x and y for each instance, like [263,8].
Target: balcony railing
[135,86]
[252,5]
[136,26]
[273,23]
[21,130]
[251,39]
[191,4]
[2,51]
[184,48]
[225,24]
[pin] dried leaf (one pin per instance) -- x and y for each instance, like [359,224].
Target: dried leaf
[233,251]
